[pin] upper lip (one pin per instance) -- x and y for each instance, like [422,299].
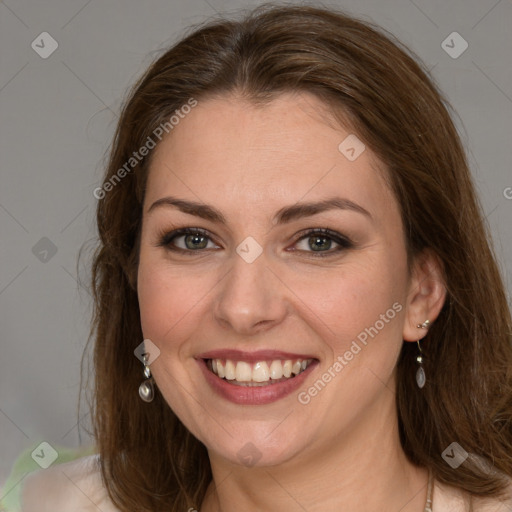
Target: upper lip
[258,355]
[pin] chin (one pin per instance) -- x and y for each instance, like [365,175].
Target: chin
[257,447]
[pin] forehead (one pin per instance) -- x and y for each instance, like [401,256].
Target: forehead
[228,148]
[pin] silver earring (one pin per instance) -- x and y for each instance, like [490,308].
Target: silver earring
[421,378]
[147,388]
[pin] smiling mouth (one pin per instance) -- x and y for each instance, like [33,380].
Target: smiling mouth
[260,373]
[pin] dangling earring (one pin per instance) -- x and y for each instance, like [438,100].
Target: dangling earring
[147,388]
[421,378]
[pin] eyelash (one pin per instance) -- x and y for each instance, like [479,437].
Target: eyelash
[343,242]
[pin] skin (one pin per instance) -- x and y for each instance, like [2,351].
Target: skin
[340,451]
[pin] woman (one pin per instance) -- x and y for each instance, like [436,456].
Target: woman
[289,226]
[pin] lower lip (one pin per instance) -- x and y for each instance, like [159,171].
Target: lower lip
[253,395]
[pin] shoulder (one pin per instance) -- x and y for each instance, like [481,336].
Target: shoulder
[450,499]
[74,485]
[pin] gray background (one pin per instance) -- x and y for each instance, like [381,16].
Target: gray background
[58,115]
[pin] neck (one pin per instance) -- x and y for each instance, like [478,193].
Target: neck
[360,470]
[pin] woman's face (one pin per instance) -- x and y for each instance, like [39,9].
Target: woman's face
[254,296]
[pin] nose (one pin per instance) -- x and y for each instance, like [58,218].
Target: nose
[250,298]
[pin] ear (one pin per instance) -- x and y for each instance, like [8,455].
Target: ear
[426,294]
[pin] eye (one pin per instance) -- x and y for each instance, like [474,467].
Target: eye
[187,240]
[320,241]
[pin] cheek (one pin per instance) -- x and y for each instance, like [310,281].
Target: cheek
[359,296]
[165,300]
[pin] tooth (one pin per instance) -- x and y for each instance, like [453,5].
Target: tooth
[230,370]
[260,372]
[220,369]
[276,370]
[287,368]
[243,371]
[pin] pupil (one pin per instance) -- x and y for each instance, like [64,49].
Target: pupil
[195,241]
[317,245]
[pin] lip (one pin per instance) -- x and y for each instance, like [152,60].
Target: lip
[252,357]
[254,395]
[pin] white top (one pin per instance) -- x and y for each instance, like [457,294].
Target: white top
[77,486]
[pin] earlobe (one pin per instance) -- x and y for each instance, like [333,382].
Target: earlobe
[426,294]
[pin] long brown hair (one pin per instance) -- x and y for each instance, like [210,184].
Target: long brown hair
[149,460]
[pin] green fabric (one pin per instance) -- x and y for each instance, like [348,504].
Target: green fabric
[10,494]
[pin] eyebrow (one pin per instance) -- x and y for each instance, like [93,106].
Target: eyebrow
[284,215]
